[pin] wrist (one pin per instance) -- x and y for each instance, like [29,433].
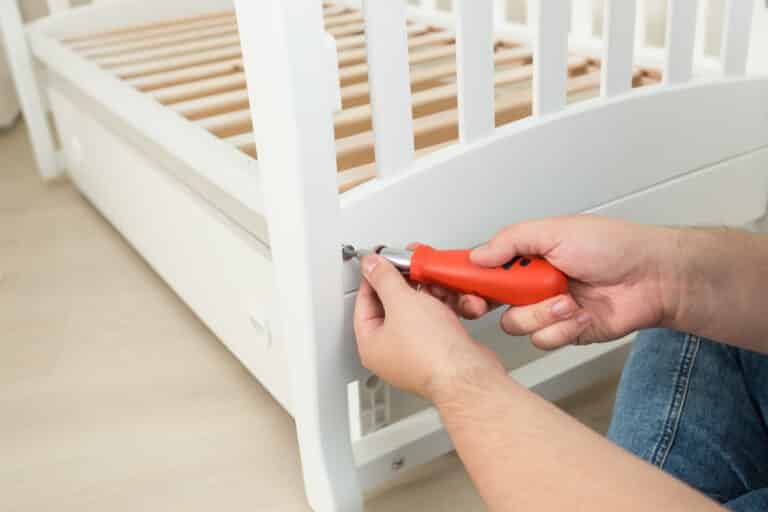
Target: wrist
[670,273]
[459,387]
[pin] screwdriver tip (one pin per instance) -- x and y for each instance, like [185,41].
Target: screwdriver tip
[349,252]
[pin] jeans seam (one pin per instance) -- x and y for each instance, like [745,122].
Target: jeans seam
[677,405]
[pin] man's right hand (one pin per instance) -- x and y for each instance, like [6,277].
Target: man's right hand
[619,279]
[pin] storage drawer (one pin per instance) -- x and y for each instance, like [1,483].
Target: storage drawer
[222,272]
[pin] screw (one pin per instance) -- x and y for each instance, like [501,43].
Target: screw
[398,464]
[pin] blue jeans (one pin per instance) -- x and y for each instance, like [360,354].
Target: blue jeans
[699,411]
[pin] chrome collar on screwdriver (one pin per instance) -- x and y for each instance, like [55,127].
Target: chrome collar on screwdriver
[400,258]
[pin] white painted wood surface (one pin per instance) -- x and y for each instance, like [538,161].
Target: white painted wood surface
[293,130]
[27,88]
[618,55]
[475,68]
[551,19]
[702,29]
[641,24]
[582,19]
[680,40]
[56,6]
[390,84]
[625,133]
[737,31]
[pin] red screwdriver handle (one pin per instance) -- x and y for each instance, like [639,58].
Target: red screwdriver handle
[521,282]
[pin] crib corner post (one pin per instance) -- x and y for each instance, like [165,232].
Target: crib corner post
[286,62]
[27,88]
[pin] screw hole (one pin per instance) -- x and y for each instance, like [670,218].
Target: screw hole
[372,383]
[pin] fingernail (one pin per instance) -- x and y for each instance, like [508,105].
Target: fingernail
[583,318]
[370,262]
[563,308]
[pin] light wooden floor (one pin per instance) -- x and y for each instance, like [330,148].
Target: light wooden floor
[114,397]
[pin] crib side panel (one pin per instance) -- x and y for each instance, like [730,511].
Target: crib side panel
[564,164]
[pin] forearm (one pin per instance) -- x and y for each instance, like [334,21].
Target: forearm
[720,281]
[525,454]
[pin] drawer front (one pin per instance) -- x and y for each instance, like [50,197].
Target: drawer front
[218,269]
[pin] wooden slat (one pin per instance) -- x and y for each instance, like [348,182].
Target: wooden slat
[352,178]
[209,56]
[146,28]
[219,118]
[357,56]
[359,73]
[228,124]
[171,64]
[357,94]
[736,35]
[429,101]
[350,18]
[183,30]
[172,78]
[217,85]
[212,105]
[681,33]
[387,48]
[351,42]
[203,88]
[160,42]
[164,29]
[618,56]
[443,126]
[475,68]
[550,55]
[176,50]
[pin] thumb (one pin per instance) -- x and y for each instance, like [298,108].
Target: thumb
[535,238]
[385,279]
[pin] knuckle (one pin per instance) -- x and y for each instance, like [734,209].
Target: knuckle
[540,316]
[511,325]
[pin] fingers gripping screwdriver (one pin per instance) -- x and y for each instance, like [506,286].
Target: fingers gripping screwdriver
[520,282]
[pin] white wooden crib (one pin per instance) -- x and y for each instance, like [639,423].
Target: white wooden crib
[384,122]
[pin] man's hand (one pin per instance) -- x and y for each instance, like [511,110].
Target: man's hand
[409,338]
[619,281]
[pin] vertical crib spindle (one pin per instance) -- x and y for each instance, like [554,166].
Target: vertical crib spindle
[582,23]
[550,21]
[641,27]
[681,33]
[429,6]
[475,68]
[702,29]
[501,12]
[390,84]
[736,33]
[619,37]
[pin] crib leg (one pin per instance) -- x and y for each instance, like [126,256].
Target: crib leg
[287,67]
[27,88]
